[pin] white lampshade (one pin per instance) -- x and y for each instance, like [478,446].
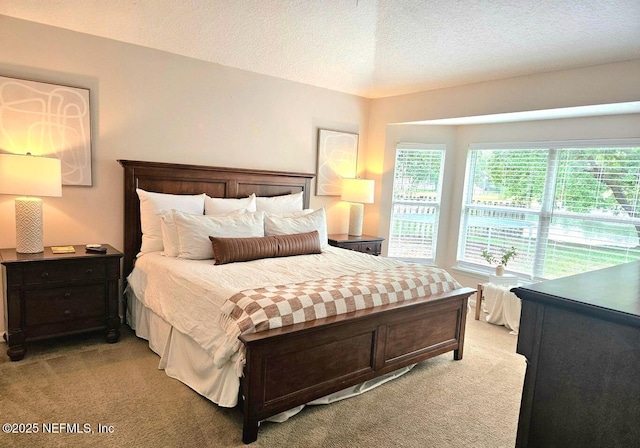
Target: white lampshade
[29,176]
[358,190]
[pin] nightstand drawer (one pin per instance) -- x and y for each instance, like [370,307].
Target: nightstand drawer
[45,273]
[367,244]
[64,304]
[370,248]
[87,270]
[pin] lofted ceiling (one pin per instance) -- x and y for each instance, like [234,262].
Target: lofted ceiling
[371,48]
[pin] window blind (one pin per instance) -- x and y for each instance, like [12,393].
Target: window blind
[565,209]
[417,185]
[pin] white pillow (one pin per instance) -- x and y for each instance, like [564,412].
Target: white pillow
[285,225]
[170,238]
[194,231]
[169,234]
[306,211]
[151,203]
[280,204]
[222,206]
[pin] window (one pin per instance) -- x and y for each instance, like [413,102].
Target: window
[567,207]
[415,204]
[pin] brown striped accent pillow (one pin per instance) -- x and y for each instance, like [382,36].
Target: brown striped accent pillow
[229,250]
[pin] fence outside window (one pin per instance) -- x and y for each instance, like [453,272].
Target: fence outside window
[415,208]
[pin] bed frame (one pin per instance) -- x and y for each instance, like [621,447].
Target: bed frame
[293,365]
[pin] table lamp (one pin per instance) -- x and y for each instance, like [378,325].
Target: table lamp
[358,192]
[29,176]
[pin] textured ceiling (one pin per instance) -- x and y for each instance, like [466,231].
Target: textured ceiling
[372,48]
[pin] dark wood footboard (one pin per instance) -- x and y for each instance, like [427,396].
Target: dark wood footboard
[294,365]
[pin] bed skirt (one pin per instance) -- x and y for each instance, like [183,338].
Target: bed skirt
[181,358]
[184,360]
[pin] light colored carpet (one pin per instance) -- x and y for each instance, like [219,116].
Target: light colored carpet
[440,403]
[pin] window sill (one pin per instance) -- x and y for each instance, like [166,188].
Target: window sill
[482,276]
[479,275]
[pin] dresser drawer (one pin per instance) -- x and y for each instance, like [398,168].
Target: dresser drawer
[46,273]
[64,304]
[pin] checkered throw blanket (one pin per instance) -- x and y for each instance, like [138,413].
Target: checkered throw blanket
[270,307]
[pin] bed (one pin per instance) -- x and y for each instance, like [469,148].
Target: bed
[287,367]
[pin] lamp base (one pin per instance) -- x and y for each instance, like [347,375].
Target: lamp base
[356,214]
[29,225]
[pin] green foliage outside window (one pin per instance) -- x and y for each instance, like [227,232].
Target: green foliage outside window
[588,179]
[565,210]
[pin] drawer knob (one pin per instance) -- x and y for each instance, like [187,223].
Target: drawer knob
[67,313]
[67,295]
[89,271]
[45,275]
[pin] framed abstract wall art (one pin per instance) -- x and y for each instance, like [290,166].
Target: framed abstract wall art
[337,158]
[48,120]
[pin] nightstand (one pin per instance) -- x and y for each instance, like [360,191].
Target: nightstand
[364,243]
[49,295]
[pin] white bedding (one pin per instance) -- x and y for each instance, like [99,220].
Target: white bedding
[188,294]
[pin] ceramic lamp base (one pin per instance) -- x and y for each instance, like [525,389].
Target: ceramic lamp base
[356,215]
[29,225]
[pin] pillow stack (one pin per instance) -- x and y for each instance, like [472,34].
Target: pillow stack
[193,226]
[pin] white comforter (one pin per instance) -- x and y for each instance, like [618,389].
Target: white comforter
[188,294]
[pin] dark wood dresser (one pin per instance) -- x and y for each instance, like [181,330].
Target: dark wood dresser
[581,338]
[365,243]
[49,294]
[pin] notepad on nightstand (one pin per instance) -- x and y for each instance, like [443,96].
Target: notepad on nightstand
[63,249]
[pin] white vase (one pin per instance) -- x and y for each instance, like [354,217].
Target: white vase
[499,270]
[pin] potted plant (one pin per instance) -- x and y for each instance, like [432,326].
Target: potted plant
[507,254]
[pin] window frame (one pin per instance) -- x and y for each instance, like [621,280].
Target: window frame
[547,212]
[436,204]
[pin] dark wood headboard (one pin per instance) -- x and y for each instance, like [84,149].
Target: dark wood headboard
[194,179]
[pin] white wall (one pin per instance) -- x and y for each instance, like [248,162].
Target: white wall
[594,85]
[152,105]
